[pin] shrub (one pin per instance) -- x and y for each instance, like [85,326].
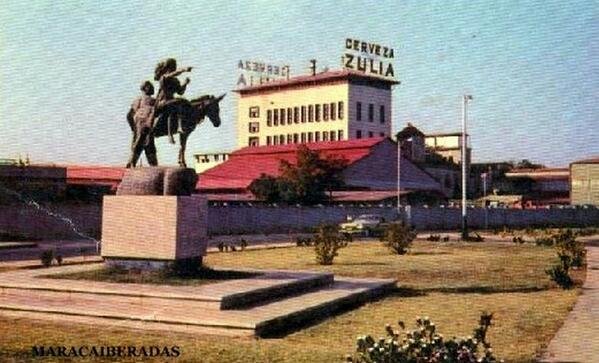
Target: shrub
[476,238]
[571,254]
[424,344]
[327,241]
[221,247]
[47,257]
[434,238]
[243,244]
[301,241]
[518,240]
[398,238]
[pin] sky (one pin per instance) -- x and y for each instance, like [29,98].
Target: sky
[69,70]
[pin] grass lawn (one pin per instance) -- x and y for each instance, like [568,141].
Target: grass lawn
[120,275]
[449,282]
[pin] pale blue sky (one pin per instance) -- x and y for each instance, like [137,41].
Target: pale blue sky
[69,70]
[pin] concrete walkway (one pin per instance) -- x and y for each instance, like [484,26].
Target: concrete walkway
[578,339]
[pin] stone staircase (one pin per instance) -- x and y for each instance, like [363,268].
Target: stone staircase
[271,303]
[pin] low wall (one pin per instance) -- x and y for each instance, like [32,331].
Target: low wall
[241,219]
[51,221]
[71,221]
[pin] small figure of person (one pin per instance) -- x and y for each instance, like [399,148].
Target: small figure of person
[166,73]
[140,118]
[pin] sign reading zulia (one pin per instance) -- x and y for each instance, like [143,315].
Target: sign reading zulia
[368,57]
[260,72]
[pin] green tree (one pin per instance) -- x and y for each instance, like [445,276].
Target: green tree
[306,182]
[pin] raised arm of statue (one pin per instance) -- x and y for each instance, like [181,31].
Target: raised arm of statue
[178,72]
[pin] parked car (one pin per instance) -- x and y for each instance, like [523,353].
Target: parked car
[366,224]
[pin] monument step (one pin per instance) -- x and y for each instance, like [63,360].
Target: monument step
[233,294]
[275,317]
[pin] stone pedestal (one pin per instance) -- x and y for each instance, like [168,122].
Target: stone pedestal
[149,231]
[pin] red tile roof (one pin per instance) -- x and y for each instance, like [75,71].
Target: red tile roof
[314,79]
[247,164]
[95,175]
[593,160]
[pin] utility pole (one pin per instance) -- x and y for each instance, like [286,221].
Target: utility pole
[465,100]
[398,175]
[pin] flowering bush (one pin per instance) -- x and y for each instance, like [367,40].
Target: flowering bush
[424,344]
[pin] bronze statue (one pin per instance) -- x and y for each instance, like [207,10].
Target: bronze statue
[140,118]
[157,116]
[166,73]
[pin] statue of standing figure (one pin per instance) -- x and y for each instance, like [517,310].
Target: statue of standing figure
[166,114]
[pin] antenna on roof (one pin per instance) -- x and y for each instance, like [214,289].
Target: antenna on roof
[313,66]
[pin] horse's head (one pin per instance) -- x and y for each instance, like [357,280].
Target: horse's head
[213,110]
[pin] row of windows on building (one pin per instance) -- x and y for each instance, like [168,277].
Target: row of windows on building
[301,114]
[207,158]
[305,137]
[370,112]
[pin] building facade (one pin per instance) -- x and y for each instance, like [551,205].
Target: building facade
[448,145]
[327,106]
[584,180]
[205,161]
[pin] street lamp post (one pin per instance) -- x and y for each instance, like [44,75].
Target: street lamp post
[465,100]
[398,176]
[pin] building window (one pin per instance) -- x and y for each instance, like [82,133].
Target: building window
[254,127]
[310,137]
[311,113]
[295,138]
[340,135]
[382,114]
[282,115]
[333,111]
[275,140]
[254,141]
[382,134]
[359,111]
[275,117]
[254,112]
[370,112]
[303,137]
[317,113]
[332,135]
[325,136]
[317,136]
[296,115]
[216,157]
[303,114]
[282,139]
[269,117]
[289,138]
[370,134]
[325,112]
[268,140]
[340,110]
[289,116]
[358,134]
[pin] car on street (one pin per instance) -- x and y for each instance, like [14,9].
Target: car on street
[364,224]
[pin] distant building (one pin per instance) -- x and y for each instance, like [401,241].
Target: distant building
[372,166]
[585,182]
[205,161]
[448,145]
[540,186]
[327,106]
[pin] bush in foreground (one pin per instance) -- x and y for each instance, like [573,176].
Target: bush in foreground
[398,237]
[424,344]
[571,254]
[327,241]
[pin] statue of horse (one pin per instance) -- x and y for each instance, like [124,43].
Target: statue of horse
[190,114]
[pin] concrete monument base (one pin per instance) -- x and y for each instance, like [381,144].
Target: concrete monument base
[150,231]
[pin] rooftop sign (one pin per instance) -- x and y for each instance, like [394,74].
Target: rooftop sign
[252,72]
[370,58]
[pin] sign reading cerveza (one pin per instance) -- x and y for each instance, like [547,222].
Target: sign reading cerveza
[368,57]
[260,72]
